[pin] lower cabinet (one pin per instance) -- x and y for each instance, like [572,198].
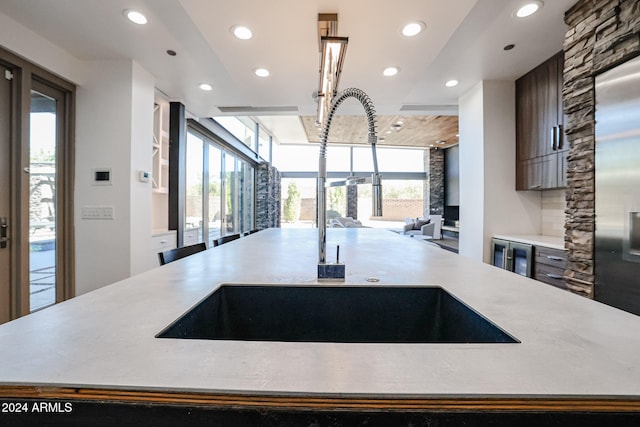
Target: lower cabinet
[161,242]
[549,266]
[538,262]
[191,237]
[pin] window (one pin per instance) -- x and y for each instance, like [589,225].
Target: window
[220,187]
[194,213]
[400,199]
[402,172]
[246,187]
[264,143]
[215,193]
[389,159]
[338,158]
[296,158]
[230,194]
[298,202]
[243,129]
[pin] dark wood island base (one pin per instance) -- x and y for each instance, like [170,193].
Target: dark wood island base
[57,406]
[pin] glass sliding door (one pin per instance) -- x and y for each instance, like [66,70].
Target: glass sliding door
[246,187]
[215,193]
[194,215]
[36,188]
[230,194]
[43,137]
[220,190]
[7,302]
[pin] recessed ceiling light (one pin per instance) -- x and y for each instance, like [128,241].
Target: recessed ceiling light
[135,16]
[206,87]
[241,32]
[261,72]
[390,71]
[451,83]
[441,142]
[528,9]
[413,29]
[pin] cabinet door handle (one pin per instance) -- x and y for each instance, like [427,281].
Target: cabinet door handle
[560,137]
[553,276]
[554,138]
[555,258]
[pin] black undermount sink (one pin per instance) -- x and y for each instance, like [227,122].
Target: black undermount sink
[344,314]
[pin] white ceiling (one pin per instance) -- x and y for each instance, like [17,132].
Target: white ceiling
[464,40]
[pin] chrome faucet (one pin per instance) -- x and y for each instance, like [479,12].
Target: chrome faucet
[336,271]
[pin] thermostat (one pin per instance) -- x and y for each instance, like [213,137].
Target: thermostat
[144,176]
[101,176]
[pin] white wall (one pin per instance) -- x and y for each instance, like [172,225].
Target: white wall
[489,204]
[24,42]
[114,130]
[141,140]
[103,140]
[471,127]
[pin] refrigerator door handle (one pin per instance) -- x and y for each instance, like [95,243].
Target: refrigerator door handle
[554,138]
[633,243]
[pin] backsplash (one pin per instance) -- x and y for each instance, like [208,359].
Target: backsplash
[553,212]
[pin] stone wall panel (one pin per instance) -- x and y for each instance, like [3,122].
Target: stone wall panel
[601,34]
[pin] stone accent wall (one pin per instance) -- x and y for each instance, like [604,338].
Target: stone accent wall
[352,201]
[426,158]
[601,34]
[268,197]
[436,181]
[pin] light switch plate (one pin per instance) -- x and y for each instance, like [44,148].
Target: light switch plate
[96,212]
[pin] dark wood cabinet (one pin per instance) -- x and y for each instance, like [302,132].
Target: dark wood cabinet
[540,140]
[549,266]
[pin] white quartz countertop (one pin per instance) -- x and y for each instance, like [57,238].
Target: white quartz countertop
[570,346]
[536,240]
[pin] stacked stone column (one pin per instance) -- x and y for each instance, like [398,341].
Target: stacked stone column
[601,34]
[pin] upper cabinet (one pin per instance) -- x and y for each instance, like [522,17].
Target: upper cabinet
[541,145]
[160,167]
[160,148]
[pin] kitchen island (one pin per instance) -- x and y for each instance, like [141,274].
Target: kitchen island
[575,356]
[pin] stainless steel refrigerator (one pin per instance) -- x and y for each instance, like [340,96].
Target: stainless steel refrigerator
[617,236]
